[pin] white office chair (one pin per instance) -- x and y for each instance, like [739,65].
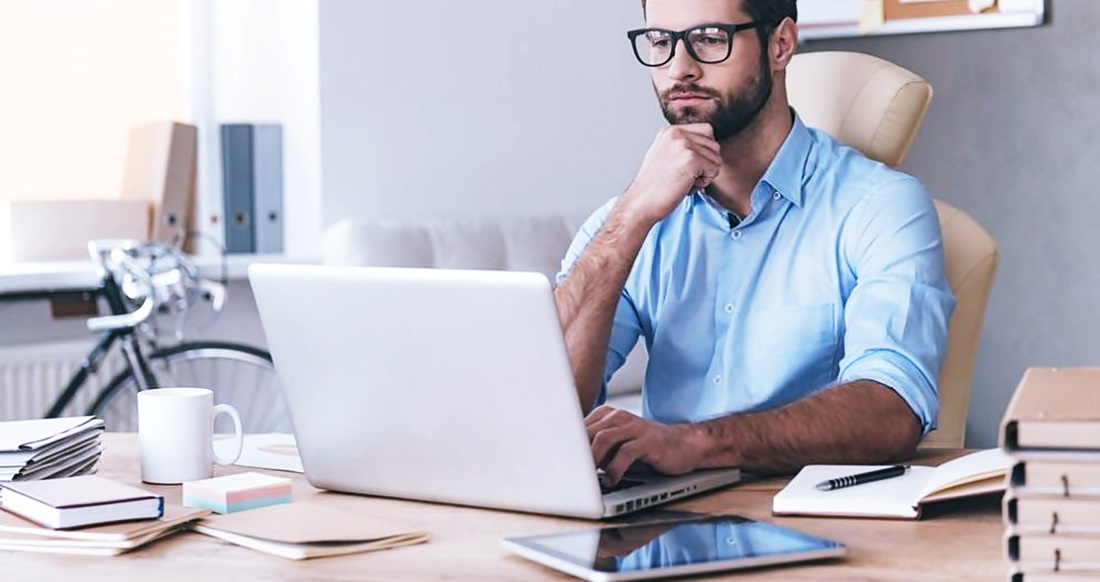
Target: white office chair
[877,107]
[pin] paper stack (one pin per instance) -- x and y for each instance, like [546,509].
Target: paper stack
[1052,508]
[303,530]
[237,492]
[49,448]
[104,540]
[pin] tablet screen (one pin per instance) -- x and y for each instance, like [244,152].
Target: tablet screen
[708,540]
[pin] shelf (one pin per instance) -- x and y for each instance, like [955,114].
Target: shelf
[62,276]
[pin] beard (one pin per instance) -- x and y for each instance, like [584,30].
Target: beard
[735,111]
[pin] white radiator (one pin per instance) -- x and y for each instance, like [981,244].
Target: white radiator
[32,376]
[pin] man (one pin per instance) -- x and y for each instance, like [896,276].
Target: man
[790,291]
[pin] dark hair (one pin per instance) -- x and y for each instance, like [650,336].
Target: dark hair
[771,12]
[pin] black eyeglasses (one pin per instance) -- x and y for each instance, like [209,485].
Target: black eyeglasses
[707,43]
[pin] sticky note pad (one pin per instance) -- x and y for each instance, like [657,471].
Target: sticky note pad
[236,492]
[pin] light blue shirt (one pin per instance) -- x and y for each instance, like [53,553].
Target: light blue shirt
[836,275]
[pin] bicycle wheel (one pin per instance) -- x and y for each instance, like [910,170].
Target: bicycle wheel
[240,375]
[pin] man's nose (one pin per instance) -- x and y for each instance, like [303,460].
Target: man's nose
[683,67]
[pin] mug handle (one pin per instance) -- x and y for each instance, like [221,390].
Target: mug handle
[238,434]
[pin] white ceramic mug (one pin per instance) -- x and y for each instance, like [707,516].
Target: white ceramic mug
[176,434]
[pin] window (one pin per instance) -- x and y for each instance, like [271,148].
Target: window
[76,75]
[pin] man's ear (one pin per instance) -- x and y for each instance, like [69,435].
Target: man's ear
[784,43]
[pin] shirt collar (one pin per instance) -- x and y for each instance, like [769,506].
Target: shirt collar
[785,173]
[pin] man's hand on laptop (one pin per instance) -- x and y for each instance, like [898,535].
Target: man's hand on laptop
[620,439]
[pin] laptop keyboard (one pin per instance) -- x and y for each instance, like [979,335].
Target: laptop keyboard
[622,484]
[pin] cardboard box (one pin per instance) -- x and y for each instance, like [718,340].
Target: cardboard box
[53,230]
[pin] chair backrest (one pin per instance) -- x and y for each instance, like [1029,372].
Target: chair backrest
[877,107]
[863,101]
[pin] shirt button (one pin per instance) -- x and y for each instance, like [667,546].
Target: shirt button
[776,196]
[729,308]
[735,235]
[717,380]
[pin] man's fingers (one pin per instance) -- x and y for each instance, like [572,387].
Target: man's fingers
[613,417]
[698,159]
[598,414]
[702,144]
[606,441]
[703,179]
[625,456]
[701,129]
[700,139]
[706,156]
[705,175]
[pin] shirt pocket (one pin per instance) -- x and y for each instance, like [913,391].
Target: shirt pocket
[789,351]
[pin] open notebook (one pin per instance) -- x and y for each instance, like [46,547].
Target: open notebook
[899,497]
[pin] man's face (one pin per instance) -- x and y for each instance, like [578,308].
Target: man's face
[728,95]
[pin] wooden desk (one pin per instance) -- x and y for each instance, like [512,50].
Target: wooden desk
[959,541]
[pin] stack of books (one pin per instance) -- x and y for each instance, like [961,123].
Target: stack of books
[88,515]
[1052,508]
[49,448]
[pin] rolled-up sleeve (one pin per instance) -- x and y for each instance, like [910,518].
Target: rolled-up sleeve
[896,315]
[626,327]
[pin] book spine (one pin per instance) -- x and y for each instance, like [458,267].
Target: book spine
[1052,516]
[1038,552]
[1038,478]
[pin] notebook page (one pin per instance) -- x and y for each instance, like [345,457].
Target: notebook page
[894,497]
[967,469]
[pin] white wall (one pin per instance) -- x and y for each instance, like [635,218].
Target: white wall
[257,62]
[481,107]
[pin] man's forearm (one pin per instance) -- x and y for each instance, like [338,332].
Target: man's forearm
[589,295]
[855,423]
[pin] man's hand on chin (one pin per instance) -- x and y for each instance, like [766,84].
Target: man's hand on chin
[620,439]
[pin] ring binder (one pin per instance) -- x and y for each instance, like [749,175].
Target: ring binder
[238,184]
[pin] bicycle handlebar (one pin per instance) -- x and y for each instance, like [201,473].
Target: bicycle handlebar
[132,319]
[118,258]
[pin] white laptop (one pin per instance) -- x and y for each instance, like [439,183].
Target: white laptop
[440,385]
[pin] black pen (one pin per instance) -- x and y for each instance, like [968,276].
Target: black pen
[860,478]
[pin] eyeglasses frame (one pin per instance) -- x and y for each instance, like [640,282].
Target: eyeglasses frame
[681,35]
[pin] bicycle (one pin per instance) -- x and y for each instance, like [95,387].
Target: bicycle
[140,281]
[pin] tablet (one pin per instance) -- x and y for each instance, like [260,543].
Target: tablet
[673,548]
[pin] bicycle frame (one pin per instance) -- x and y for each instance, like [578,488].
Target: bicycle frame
[131,347]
